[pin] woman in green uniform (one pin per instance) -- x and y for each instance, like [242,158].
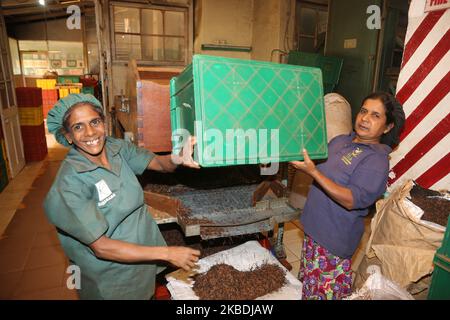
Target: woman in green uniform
[97,205]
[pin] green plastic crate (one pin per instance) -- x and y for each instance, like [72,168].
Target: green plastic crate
[261,99]
[331,66]
[3,175]
[440,282]
[87,90]
[68,79]
[445,248]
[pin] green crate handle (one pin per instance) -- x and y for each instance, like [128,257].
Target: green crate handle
[443,267]
[444,258]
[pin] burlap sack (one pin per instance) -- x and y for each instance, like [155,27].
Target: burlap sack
[401,244]
[338,115]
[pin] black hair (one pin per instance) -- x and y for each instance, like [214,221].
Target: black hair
[68,113]
[394,114]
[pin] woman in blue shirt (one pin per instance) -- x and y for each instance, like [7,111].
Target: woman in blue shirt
[345,186]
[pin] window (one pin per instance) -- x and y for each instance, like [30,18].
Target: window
[153,35]
[64,57]
[311,27]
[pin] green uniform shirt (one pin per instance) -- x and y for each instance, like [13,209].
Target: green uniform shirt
[87,201]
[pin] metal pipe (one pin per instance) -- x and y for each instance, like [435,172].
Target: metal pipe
[380,46]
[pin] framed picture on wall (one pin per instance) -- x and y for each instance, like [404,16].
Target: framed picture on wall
[72,63]
[56,64]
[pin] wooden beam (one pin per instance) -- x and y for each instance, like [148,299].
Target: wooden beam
[15,3]
[314,4]
[42,17]
[41,9]
[162,202]
[36,17]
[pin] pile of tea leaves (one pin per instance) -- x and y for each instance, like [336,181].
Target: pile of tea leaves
[224,282]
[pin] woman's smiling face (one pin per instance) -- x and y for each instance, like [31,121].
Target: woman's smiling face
[86,130]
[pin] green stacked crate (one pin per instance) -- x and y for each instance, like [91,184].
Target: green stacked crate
[258,100]
[440,282]
[3,170]
[68,79]
[87,90]
[3,176]
[331,66]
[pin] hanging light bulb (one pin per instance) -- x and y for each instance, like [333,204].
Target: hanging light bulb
[42,2]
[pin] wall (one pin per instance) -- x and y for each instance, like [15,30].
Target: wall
[53,31]
[56,30]
[120,73]
[347,21]
[266,29]
[272,18]
[228,21]
[260,24]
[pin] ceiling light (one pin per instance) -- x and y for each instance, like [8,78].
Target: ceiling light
[42,2]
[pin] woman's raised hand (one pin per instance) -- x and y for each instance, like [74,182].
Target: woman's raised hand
[186,154]
[307,165]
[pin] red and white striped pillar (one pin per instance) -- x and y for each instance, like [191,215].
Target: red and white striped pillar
[423,89]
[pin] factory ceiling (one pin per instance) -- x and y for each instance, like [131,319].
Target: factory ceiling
[25,11]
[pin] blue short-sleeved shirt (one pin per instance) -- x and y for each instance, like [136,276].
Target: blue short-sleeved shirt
[87,201]
[363,168]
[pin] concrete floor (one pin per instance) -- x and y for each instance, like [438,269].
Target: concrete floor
[32,262]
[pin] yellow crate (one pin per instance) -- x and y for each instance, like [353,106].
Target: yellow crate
[31,116]
[40,83]
[63,93]
[51,83]
[66,90]
[74,90]
[46,83]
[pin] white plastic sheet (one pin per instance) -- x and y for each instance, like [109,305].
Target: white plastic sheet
[378,287]
[243,257]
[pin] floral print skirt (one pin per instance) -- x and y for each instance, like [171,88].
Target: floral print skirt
[324,275]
